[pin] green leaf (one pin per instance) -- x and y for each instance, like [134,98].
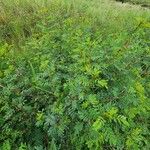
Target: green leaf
[6,145]
[53,145]
[98,124]
[103,83]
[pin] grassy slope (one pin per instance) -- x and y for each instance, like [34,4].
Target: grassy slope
[18,19]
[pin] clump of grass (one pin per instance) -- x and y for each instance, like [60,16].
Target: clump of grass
[18,19]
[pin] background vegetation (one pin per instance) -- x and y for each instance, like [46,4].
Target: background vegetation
[74,75]
[145,3]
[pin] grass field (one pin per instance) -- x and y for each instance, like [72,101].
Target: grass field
[18,18]
[74,75]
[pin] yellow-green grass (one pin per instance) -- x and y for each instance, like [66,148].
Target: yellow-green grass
[18,19]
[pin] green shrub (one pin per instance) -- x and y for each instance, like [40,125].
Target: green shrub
[72,86]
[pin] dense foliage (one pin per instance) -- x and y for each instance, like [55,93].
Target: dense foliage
[75,84]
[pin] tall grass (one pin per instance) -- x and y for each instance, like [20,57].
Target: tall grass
[18,19]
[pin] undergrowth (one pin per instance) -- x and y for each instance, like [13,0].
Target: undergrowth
[74,75]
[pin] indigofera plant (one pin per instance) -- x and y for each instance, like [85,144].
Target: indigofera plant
[73,87]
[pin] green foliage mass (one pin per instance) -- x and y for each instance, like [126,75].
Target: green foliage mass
[73,83]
